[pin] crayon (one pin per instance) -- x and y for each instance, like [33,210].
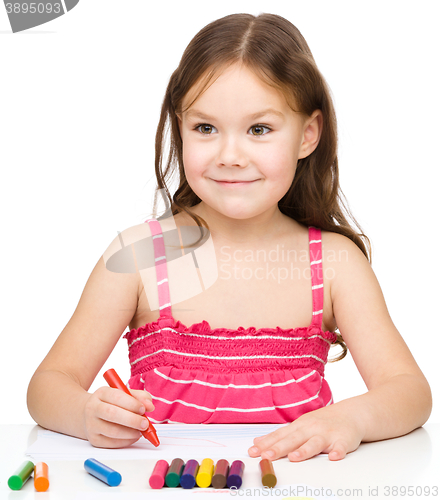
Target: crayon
[41,476]
[204,475]
[21,475]
[157,478]
[235,476]
[188,478]
[268,477]
[220,474]
[172,479]
[114,381]
[102,472]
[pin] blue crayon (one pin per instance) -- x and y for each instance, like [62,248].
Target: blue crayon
[102,472]
[188,477]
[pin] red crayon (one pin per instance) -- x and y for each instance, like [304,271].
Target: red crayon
[115,382]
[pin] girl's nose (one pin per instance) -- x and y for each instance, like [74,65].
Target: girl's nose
[231,153]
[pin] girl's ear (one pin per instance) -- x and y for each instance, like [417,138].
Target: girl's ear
[311,134]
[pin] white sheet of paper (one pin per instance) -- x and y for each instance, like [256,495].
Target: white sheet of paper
[176,440]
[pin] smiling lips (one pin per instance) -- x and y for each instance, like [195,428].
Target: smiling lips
[235,183]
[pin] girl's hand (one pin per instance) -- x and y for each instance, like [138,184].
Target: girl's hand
[326,430]
[113,419]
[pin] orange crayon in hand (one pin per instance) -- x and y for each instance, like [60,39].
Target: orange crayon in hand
[115,382]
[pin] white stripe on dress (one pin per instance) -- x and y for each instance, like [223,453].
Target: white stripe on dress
[167,420]
[225,357]
[315,262]
[237,410]
[164,305]
[233,386]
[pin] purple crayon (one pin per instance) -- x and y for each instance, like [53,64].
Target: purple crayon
[235,476]
[188,477]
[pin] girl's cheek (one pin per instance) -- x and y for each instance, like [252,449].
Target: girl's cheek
[197,160]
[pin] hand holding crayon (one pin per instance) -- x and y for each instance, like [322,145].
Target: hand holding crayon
[114,381]
[115,418]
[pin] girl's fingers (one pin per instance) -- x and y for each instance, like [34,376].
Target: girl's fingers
[283,447]
[338,451]
[274,449]
[117,415]
[263,443]
[119,398]
[114,436]
[309,449]
[106,442]
[118,432]
[144,397]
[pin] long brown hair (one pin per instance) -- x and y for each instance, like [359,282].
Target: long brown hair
[274,49]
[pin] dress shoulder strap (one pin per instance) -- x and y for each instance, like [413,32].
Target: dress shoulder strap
[315,249]
[160,261]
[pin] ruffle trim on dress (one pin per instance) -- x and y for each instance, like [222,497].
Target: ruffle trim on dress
[204,328]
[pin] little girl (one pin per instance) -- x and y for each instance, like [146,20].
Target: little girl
[254,142]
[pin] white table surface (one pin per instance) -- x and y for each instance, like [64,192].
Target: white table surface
[369,472]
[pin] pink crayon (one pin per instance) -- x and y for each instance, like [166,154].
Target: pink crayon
[157,478]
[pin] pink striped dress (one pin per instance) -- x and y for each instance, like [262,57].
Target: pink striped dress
[196,374]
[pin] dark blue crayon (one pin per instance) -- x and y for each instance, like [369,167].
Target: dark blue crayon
[235,476]
[102,472]
[188,477]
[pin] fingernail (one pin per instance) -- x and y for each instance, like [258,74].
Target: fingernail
[144,423]
[254,449]
[142,410]
[270,453]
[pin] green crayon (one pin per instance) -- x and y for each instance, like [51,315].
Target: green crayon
[172,479]
[21,475]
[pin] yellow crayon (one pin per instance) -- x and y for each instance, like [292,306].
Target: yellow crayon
[206,471]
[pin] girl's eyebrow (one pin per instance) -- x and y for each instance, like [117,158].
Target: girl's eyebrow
[253,116]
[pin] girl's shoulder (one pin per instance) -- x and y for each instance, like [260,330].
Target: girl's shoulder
[345,266]
[339,248]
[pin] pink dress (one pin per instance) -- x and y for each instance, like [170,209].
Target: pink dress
[199,375]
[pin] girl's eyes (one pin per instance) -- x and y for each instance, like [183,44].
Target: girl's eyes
[206,129]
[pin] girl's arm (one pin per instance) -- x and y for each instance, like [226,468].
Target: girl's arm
[57,394]
[398,398]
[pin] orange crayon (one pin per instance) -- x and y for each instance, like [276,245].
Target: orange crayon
[115,382]
[41,476]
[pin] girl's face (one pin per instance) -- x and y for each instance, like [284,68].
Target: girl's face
[242,130]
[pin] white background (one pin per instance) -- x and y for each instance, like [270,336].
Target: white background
[80,99]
